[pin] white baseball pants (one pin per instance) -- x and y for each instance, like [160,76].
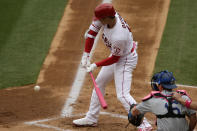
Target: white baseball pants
[122,74]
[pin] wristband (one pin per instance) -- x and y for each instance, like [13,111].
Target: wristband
[188,103]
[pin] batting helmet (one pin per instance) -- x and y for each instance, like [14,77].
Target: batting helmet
[164,78]
[104,10]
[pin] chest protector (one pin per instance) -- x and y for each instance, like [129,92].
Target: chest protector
[170,114]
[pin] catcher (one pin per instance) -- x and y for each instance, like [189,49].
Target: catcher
[169,112]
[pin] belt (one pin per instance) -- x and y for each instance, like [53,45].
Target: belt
[132,50]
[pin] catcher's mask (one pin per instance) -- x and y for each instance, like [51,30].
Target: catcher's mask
[164,78]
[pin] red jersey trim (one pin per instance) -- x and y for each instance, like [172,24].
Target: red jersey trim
[93,33]
[88,44]
[96,27]
[108,61]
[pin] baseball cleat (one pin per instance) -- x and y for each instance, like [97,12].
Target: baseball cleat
[145,126]
[84,122]
[145,129]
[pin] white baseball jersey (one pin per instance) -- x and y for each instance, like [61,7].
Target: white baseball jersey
[118,39]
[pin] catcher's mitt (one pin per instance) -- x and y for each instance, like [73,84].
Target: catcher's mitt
[135,120]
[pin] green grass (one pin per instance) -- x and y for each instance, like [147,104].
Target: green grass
[178,49]
[27,28]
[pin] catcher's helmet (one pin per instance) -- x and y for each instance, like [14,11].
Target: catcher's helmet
[104,10]
[164,78]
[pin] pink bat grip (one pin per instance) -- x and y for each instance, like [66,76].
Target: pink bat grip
[98,92]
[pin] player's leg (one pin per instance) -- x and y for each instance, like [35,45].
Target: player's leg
[105,75]
[123,78]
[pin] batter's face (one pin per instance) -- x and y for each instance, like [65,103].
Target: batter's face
[104,21]
[109,21]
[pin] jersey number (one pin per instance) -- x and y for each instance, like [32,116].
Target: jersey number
[176,110]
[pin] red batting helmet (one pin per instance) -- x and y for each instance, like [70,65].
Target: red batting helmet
[104,10]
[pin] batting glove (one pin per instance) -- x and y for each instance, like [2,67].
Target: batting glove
[91,67]
[85,61]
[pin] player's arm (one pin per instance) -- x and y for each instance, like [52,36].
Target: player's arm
[192,121]
[193,105]
[90,36]
[185,102]
[142,108]
[116,51]
[108,61]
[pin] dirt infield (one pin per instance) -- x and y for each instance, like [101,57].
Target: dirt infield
[19,105]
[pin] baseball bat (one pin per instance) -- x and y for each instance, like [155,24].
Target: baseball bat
[98,92]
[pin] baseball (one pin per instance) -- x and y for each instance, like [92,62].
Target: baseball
[36,88]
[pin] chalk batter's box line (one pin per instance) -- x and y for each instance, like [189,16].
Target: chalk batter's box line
[38,122]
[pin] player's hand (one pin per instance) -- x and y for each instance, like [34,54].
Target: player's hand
[91,67]
[176,96]
[85,61]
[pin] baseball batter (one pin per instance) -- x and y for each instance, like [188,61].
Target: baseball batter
[119,65]
[170,113]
